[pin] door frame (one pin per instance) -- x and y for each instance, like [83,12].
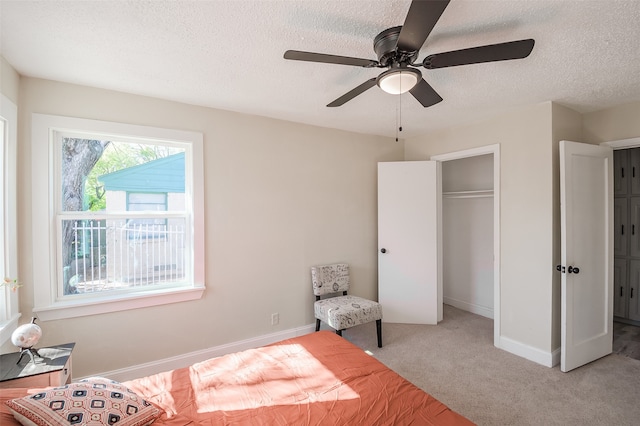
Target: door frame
[623,144]
[475,152]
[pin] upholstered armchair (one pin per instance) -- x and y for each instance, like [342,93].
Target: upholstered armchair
[341,311]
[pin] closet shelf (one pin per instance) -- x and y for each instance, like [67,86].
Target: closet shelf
[468,194]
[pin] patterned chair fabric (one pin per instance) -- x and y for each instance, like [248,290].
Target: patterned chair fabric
[341,312]
[329,279]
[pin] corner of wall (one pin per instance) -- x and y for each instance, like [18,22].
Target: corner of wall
[9,81]
[615,123]
[566,123]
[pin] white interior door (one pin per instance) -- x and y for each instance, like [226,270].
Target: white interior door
[409,242]
[586,200]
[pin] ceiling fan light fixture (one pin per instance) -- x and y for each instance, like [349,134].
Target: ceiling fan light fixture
[399,80]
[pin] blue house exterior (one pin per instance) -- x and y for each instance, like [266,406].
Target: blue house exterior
[163,175]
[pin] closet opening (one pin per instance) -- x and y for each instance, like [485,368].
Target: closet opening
[471,232]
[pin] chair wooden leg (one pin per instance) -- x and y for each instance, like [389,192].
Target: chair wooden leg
[317,324]
[339,332]
[379,331]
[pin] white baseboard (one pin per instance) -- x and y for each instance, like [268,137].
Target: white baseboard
[469,307]
[187,359]
[555,357]
[548,359]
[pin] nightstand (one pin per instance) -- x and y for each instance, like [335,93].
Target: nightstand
[52,368]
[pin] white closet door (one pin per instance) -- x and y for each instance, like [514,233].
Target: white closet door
[409,242]
[586,210]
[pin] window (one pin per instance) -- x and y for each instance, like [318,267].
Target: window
[146,201]
[116,216]
[9,312]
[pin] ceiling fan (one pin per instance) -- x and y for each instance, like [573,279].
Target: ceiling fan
[397,49]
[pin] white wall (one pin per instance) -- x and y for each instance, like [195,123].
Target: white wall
[467,236]
[279,197]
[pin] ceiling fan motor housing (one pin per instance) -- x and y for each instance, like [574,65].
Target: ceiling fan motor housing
[385,47]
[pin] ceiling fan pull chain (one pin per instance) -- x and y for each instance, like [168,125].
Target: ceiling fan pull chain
[397,120]
[400,101]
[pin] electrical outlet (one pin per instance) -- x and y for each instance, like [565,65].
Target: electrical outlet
[275,318]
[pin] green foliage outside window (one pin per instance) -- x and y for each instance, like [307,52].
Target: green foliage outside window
[118,156]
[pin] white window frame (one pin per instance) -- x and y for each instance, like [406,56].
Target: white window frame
[9,302]
[46,130]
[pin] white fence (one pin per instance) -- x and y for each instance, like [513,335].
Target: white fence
[121,253]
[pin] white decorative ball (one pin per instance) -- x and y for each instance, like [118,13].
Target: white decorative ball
[27,335]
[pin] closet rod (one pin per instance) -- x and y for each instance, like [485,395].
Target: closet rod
[468,194]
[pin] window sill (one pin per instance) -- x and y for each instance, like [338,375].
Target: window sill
[63,310]
[7,327]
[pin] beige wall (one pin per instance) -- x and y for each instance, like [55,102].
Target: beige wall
[527,200]
[620,122]
[9,81]
[279,197]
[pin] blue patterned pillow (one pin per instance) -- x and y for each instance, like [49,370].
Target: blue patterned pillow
[93,401]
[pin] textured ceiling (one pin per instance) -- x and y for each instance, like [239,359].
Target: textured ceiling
[228,55]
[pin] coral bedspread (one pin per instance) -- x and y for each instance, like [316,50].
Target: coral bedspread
[316,379]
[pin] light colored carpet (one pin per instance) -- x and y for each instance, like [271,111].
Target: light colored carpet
[457,363]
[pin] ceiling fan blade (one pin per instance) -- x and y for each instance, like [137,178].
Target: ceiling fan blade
[420,20]
[353,93]
[475,55]
[425,94]
[297,55]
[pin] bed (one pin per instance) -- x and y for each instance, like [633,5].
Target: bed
[318,378]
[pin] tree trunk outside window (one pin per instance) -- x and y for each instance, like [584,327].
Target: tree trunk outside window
[79,156]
